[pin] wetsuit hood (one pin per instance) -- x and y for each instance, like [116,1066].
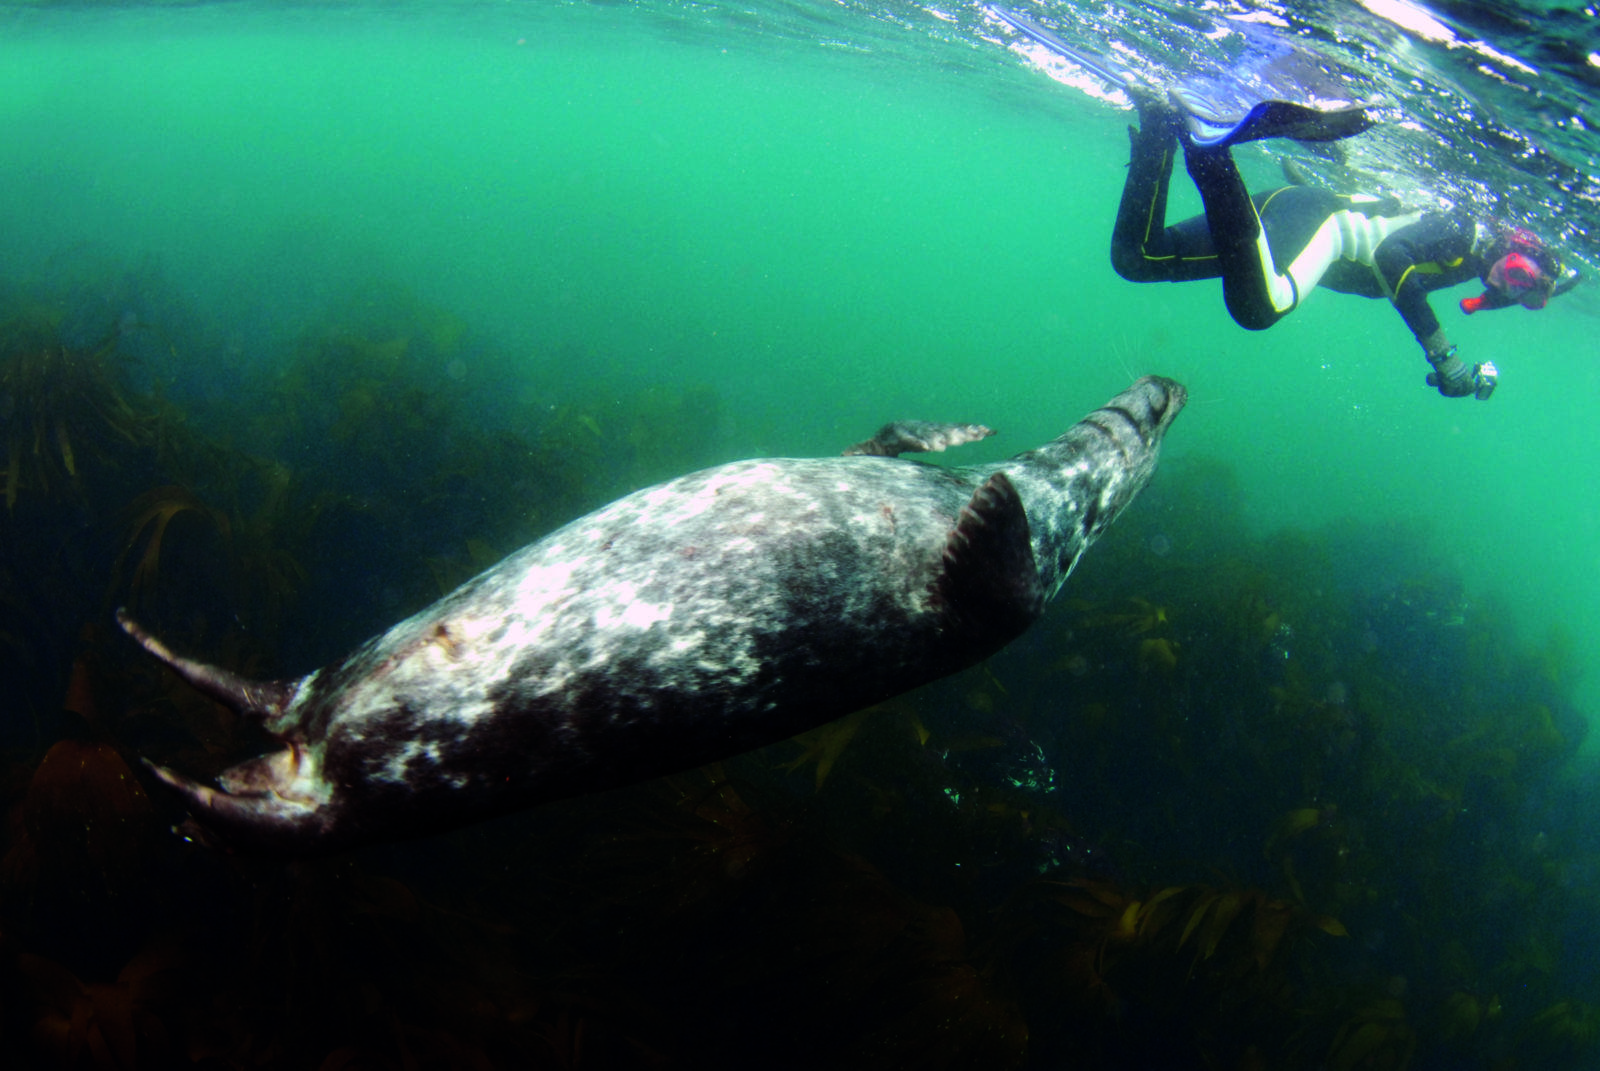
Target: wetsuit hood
[1521,270]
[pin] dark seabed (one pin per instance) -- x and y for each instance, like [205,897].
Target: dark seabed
[308,313]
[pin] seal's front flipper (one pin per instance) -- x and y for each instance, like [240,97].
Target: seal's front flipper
[918,437]
[989,584]
[1272,119]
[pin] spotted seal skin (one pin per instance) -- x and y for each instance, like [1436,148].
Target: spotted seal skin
[918,436]
[686,622]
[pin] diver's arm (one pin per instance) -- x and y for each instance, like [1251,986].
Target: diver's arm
[1439,247]
[1434,245]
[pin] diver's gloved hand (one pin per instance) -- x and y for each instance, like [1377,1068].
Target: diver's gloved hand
[1457,380]
[1453,378]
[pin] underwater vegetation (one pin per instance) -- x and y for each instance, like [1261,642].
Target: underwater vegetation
[1238,801]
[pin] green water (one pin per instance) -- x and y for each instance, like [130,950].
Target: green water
[830,236]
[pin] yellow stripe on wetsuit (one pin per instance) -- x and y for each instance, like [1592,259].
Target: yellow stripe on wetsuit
[1150,219]
[1432,267]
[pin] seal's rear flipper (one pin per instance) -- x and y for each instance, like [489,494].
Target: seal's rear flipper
[262,819]
[918,437]
[989,581]
[258,699]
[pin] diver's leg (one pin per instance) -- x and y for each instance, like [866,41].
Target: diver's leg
[1256,294]
[1309,230]
[1143,248]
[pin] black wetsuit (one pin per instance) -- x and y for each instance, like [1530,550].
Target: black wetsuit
[1435,251]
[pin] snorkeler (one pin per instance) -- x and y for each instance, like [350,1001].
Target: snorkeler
[1271,249]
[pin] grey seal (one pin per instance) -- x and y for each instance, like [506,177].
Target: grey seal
[683,623]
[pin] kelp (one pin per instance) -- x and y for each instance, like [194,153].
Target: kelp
[62,406]
[1237,801]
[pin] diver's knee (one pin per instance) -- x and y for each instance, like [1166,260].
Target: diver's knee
[1130,263]
[1251,314]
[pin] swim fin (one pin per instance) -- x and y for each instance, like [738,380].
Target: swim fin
[1273,119]
[1213,115]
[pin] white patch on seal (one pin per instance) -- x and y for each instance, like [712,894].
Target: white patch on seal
[645,614]
[675,507]
[634,612]
[396,770]
[543,585]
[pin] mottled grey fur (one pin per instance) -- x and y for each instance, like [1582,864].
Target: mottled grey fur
[918,437]
[683,623]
